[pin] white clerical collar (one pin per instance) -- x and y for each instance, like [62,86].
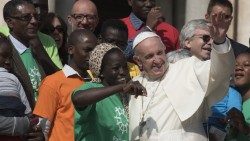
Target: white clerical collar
[69,71]
[17,44]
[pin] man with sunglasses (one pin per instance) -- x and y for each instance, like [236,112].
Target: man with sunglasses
[195,36]
[42,40]
[83,15]
[30,61]
[226,7]
[28,54]
[22,20]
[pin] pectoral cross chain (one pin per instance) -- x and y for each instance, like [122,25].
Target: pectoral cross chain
[141,125]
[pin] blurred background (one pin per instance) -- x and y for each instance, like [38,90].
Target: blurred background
[176,12]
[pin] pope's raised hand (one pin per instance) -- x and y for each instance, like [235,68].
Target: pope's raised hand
[219,26]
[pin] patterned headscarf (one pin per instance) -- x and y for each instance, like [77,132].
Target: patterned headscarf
[96,56]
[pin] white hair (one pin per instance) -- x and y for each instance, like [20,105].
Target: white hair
[189,28]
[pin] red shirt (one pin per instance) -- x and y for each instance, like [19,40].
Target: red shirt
[169,34]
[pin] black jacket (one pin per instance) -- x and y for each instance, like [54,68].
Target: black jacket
[238,48]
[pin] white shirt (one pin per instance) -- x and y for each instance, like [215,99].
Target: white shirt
[20,47]
[69,71]
[158,111]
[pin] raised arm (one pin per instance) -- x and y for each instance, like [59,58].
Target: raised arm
[222,60]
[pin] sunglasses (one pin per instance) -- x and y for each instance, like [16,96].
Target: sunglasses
[27,17]
[52,29]
[205,38]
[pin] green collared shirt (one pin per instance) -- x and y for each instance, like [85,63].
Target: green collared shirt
[48,43]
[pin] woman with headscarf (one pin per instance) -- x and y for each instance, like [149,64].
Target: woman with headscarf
[101,105]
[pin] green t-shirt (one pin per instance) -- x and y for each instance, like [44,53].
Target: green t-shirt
[32,69]
[105,120]
[246,110]
[48,43]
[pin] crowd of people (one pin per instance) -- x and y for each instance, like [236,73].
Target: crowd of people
[139,79]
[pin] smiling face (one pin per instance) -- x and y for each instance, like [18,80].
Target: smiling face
[242,71]
[114,69]
[57,34]
[83,15]
[200,44]
[150,54]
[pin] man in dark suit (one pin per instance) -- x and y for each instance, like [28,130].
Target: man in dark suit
[30,61]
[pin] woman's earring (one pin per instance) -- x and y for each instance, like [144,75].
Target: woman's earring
[140,67]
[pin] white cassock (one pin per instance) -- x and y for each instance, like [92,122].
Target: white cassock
[178,104]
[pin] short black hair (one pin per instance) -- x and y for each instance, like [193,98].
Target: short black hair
[11,7]
[225,3]
[115,24]
[76,36]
